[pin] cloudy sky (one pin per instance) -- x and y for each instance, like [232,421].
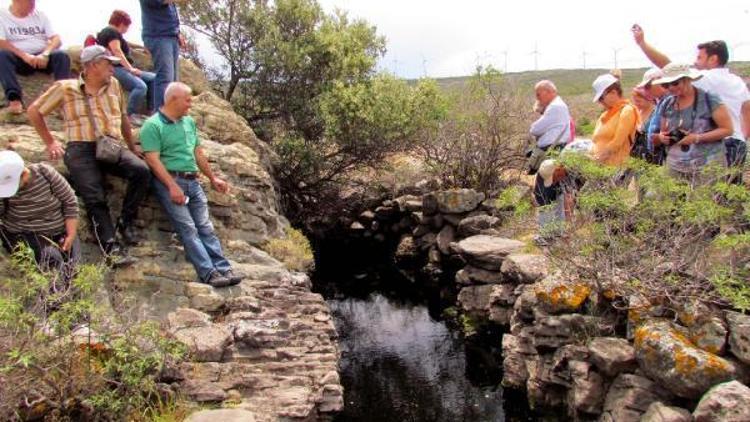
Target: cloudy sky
[439,38]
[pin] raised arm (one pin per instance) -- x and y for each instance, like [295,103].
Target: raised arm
[656,57]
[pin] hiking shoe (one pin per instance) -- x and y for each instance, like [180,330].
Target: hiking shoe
[128,232]
[118,258]
[217,280]
[233,278]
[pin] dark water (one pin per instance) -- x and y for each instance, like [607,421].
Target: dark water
[401,363]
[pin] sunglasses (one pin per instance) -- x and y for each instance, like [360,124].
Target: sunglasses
[673,83]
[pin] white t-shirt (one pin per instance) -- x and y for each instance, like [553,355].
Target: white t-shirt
[29,34]
[732,91]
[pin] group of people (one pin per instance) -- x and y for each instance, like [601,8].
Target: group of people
[39,206]
[688,118]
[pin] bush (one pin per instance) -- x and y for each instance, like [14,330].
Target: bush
[294,250]
[63,357]
[666,241]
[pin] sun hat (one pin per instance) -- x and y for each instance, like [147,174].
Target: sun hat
[601,83]
[96,52]
[676,71]
[649,76]
[547,171]
[11,167]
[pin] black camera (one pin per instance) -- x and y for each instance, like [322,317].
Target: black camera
[676,136]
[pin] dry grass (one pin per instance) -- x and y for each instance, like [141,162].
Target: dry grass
[294,250]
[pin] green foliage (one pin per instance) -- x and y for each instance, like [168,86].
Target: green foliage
[294,250]
[510,198]
[62,355]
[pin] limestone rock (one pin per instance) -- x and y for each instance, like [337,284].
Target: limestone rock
[406,251]
[557,295]
[203,391]
[446,236]
[470,275]
[739,335]
[727,402]
[223,415]
[710,335]
[525,268]
[660,412]
[487,252]
[629,397]
[187,318]
[586,395]
[458,200]
[472,226]
[475,300]
[430,204]
[612,355]
[666,354]
[502,299]
[206,344]
[409,203]
[555,331]
[515,373]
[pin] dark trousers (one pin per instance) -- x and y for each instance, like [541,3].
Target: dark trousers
[47,253]
[10,64]
[736,155]
[87,178]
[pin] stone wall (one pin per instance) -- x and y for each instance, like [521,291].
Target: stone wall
[267,345]
[567,345]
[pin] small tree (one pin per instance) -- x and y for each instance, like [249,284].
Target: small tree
[483,137]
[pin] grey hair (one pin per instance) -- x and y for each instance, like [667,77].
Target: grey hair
[546,84]
[176,88]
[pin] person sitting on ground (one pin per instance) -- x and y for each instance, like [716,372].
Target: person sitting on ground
[614,132]
[645,103]
[39,208]
[175,155]
[137,82]
[711,59]
[92,109]
[28,44]
[693,125]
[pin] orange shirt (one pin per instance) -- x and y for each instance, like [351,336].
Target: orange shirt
[614,133]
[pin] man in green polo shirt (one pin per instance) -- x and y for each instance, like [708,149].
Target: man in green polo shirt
[170,141]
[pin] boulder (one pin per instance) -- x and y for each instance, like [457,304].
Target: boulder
[739,336]
[475,300]
[430,205]
[555,331]
[223,415]
[203,391]
[629,397]
[666,355]
[710,335]
[406,251]
[472,226]
[502,298]
[525,268]
[470,275]
[446,236]
[660,412]
[457,201]
[206,344]
[187,318]
[557,295]
[586,394]
[612,355]
[727,402]
[487,252]
[408,203]
[515,373]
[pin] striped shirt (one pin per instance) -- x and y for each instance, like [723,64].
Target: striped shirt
[107,106]
[42,206]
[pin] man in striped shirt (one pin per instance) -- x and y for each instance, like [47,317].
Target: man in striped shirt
[39,208]
[96,90]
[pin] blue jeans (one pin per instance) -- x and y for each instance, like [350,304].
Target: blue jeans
[165,54]
[191,222]
[10,64]
[137,87]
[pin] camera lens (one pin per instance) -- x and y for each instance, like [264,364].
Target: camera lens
[685,148]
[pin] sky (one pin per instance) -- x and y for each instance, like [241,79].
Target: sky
[438,38]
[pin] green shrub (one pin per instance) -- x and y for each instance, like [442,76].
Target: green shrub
[294,250]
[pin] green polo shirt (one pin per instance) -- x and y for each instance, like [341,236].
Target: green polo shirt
[175,141]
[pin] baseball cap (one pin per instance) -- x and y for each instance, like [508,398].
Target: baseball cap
[96,52]
[11,167]
[649,76]
[547,170]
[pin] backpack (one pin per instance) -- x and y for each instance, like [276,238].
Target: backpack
[89,41]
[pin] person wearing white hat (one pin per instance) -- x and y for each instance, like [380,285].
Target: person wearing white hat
[93,112]
[39,208]
[694,124]
[614,132]
[711,59]
[650,125]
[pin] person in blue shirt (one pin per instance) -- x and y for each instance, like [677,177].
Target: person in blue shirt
[161,36]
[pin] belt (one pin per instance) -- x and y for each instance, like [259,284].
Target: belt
[184,174]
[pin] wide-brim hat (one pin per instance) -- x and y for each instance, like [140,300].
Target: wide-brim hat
[649,76]
[601,83]
[547,171]
[676,71]
[11,168]
[97,52]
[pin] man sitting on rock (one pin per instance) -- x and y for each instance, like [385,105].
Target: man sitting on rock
[27,44]
[92,108]
[175,155]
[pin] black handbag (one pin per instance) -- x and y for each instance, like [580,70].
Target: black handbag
[108,149]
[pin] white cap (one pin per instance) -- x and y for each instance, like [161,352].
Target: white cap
[11,167]
[601,83]
[649,76]
[547,171]
[96,52]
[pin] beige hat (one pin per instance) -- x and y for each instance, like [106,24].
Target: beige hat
[601,83]
[547,171]
[676,71]
[649,76]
